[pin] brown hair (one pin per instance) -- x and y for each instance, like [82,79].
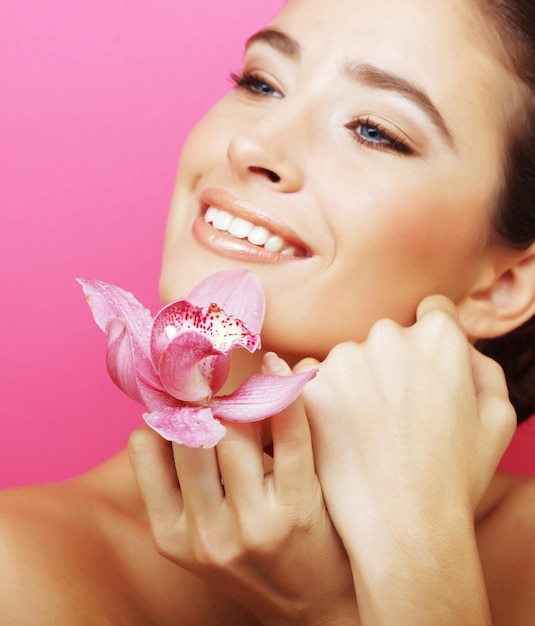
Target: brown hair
[514,213]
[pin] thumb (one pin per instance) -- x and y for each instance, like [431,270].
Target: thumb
[306,365]
[495,409]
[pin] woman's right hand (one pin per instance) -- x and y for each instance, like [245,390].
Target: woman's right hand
[262,536]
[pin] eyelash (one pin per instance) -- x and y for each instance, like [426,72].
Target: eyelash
[250,82]
[392,142]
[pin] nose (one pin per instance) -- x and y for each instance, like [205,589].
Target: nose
[266,152]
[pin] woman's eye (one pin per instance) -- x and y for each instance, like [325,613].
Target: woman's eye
[254,84]
[372,133]
[375,136]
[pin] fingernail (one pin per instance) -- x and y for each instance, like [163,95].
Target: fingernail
[272,363]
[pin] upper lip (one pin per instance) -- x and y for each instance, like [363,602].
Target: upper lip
[250,211]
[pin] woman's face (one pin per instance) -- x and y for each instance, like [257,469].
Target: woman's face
[364,139]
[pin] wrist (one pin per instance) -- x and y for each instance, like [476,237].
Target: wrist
[419,573]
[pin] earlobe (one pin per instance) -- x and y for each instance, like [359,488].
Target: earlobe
[506,302]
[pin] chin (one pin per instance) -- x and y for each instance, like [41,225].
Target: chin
[179,277]
[177,284]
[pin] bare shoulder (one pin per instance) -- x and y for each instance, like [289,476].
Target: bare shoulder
[50,554]
[506,538]
[70,552]
[80,553]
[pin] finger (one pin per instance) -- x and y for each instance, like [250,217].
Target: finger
[305,365]
[293,460]
[200,481]
[488,376]
[240,456]
[434,304]
[438,318]
[495,408]
[152,462]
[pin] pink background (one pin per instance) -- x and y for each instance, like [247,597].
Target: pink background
[96,99]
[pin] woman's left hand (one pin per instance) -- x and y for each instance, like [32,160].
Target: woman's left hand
[263,537]
[408,428]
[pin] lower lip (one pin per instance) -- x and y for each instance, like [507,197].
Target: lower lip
[231,247]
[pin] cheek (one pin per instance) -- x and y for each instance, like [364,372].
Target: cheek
[202,150]
[208,142]
[427,236]
[394,259]
[206,145]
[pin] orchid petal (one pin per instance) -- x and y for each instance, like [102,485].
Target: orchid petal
[121,365]
[180,370]
[120,358]
[238,292]
[107,301]
[215,369]
[192,426]
[224,332]
[260,396]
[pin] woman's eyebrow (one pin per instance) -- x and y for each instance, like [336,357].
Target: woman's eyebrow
[278,40]
[377,78]
[366,74]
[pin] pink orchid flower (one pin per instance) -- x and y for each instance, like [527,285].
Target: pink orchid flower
[175,363]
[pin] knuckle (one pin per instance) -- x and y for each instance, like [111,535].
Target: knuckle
[300,521]
[439,328]
[208,552]
[138,442]
[439,321]
[257,536]
[496,370]
[301,513]
[213,549]
[508,421]
[342,351]
[245,540]
[436,303]
[165,539]
[382,328]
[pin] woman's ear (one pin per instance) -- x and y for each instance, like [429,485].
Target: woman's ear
[506,301]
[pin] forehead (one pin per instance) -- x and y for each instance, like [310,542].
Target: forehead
[391,30]
[444,46]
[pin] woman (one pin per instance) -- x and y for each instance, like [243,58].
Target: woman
[382,170]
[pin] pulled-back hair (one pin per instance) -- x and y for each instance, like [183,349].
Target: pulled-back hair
[514,212]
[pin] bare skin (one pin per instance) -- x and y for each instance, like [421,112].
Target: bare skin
[81,553]
[90,551]
[331,140]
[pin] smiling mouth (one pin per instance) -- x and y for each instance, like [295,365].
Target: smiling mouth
[243,229]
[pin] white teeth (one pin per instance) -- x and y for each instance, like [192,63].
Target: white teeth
[243,229]
[289,251]
[222,220]
[274,243]
[240,228]
[211,212]
[259,235]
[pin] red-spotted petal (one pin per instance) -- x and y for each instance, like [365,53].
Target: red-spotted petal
[238,292]
[215,369]
[191,426]
[225,333]
[181,370]
[260,396]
